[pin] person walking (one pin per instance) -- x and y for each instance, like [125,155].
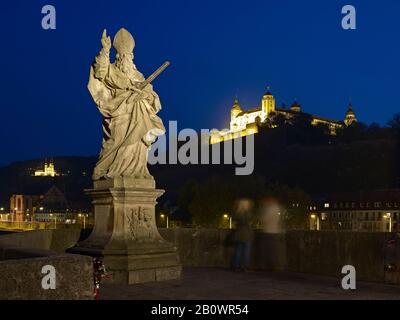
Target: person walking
[243,235]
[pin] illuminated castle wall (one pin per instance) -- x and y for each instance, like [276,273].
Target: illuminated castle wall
[246,122]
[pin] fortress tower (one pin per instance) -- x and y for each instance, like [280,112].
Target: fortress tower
[268,103]
[350,116]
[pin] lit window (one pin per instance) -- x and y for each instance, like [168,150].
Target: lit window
[326,205]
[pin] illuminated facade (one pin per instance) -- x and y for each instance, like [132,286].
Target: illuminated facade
[368,211]
[48,171]
[247,122]
[22,207]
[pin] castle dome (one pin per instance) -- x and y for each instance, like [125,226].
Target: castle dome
[350,116]
[236,109]
[350,110]
[236,106]
[296,107]
[268,93]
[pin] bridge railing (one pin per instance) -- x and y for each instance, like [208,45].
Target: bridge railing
[17,225]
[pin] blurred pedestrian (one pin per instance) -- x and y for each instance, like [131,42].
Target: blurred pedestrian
[243,234]
[270,215]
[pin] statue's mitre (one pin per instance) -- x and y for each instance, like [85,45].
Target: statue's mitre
[124,42]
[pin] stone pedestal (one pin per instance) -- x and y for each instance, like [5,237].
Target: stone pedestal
[125,234]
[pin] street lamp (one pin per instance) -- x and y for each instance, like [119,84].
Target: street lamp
[314,223]
[389,216]
[84,219]
[163,216]
[55,220]
[28,214]
[227,216]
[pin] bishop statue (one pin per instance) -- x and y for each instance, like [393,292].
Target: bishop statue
[129,107]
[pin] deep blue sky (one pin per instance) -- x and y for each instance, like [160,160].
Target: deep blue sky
[217,48]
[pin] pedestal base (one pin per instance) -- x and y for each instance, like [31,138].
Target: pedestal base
[125,235]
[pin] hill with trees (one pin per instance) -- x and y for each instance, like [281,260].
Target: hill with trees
[294,162]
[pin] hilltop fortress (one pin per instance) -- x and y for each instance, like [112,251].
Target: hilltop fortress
[244,123]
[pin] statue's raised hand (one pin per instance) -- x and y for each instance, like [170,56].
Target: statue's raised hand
[106,41]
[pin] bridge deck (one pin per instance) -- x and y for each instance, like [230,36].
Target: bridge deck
[220,284]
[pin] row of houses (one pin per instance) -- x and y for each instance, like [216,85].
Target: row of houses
[373,211]
[51,206]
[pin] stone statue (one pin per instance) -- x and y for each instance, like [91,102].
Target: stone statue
[124,195]
[129,106]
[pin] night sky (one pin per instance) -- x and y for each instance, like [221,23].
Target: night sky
[218,49]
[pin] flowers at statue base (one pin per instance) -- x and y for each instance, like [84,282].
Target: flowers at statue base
[99,273]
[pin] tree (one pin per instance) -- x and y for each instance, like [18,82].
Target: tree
[216,196]
[294,204]
[394,123]
[186,195]
[356,131]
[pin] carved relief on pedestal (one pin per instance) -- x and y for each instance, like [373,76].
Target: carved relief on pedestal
[140,224]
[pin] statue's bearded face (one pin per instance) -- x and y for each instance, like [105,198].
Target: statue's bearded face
[124,62]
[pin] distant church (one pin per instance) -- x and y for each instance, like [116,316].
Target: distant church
[245,123]
[49,170]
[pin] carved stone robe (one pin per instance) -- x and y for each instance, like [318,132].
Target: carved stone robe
[130,123]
